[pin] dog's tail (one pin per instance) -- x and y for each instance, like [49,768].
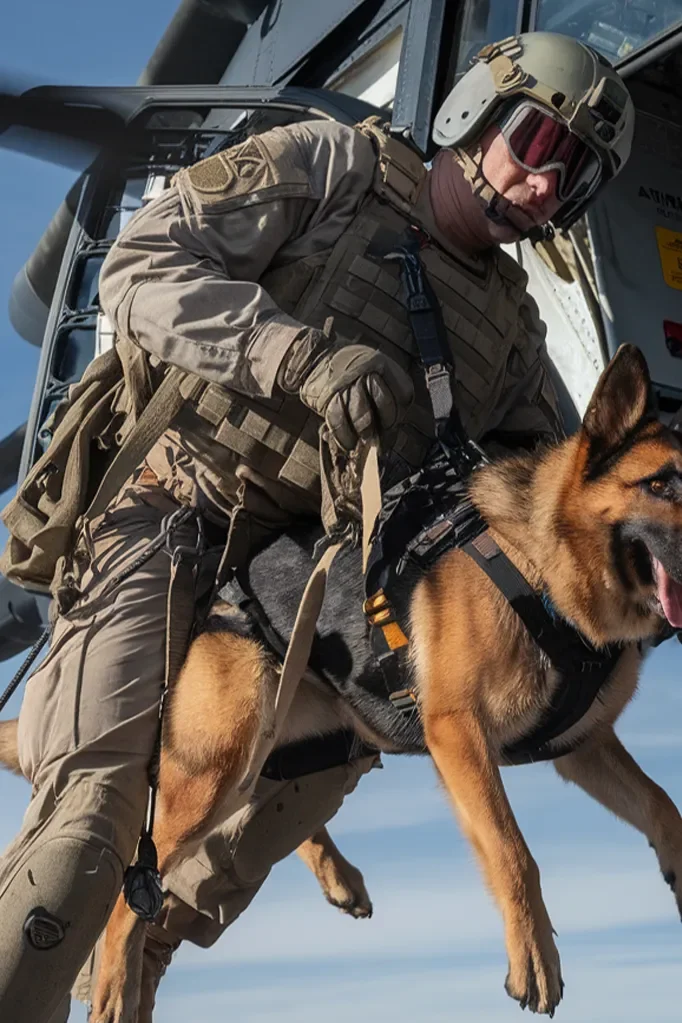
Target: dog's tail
[9,745]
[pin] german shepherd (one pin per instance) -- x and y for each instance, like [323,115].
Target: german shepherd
[594,522]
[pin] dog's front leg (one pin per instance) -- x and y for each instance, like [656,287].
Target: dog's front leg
[463,758]
[117,992]
[342,884]
[604,769]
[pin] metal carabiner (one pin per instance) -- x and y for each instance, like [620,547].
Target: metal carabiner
[172,522]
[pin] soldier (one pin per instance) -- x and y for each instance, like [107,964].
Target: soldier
[263,272]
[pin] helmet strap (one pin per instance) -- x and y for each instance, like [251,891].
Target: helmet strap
[492,202]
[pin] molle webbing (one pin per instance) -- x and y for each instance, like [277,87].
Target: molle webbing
[278,437]
[353,284]
[400,172]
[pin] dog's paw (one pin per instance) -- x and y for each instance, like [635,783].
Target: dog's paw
[112,1010]
[346,891]
[670,862]
[534,977]
[359,909]
[115,999]
[673,879]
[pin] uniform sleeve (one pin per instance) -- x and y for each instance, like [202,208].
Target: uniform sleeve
[528,404]
[181,279]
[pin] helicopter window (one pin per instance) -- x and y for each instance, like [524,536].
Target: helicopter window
[85,283]
[373,77]
[484,22]
[74,351]
[121,206]
[615,28]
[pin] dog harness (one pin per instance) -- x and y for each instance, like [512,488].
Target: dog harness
[422,518]
[437,500]
[425,517]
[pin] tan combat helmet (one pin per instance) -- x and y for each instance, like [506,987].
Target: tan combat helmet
[559,75]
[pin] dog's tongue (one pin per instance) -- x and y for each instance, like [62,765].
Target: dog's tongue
[669,594]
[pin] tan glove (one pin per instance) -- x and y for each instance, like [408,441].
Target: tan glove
[360,393]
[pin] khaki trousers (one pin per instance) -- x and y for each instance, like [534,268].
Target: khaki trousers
[86,733]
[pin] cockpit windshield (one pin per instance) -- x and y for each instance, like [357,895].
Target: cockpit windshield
[614,28]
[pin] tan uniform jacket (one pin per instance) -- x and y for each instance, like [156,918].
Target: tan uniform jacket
[182,279]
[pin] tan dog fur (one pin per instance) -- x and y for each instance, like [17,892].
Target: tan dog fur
[481,681]
[9,747]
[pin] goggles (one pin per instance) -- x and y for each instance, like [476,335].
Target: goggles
[539,142]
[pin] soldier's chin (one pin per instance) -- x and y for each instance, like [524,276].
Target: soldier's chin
[516,224]
[505,233]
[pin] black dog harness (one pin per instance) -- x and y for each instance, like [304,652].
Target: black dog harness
[422,518]
[436,499]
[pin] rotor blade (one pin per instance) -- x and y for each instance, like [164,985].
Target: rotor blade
[10,456]
[40,124]
[23,617]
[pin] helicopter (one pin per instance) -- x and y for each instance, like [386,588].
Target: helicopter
[225,69]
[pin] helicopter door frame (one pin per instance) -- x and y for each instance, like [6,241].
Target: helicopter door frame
[137,106]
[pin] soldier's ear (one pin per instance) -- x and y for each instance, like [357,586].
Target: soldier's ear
[622,399]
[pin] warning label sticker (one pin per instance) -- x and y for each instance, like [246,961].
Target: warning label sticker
[670,251]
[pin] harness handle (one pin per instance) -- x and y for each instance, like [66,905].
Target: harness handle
[370,496]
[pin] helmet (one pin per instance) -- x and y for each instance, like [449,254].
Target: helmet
[563,76]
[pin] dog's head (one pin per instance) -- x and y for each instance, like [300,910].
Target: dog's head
[626,494]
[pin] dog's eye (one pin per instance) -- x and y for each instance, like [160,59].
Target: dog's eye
[658,487]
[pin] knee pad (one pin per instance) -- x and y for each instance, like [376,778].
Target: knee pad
[53,909]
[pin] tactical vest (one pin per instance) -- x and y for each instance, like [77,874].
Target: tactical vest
[353,283]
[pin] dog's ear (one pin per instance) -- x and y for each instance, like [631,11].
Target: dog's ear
[621,400]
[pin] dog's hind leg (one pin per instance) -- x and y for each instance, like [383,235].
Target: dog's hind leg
[9,745]
[221,703]
[342,884]
[606,771]
[461,753]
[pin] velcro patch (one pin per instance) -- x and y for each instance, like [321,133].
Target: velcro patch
[245,169]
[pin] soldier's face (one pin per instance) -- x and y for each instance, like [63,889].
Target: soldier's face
[533,194]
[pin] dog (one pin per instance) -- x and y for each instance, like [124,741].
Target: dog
[594,525]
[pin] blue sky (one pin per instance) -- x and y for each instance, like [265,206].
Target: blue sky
[434,946]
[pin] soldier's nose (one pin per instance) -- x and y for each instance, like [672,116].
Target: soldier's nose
[543,185]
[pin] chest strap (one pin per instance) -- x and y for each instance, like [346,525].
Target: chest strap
[583,668]
[431,338]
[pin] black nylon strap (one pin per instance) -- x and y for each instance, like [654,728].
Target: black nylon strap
[430,335]
[564,646]
[583,668]
[319,753]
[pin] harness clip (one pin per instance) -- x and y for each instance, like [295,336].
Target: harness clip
[404,700]
[174,521]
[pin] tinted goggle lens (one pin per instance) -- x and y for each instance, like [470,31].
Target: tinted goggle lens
[540,143]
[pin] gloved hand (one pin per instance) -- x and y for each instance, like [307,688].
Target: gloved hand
[360,393]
